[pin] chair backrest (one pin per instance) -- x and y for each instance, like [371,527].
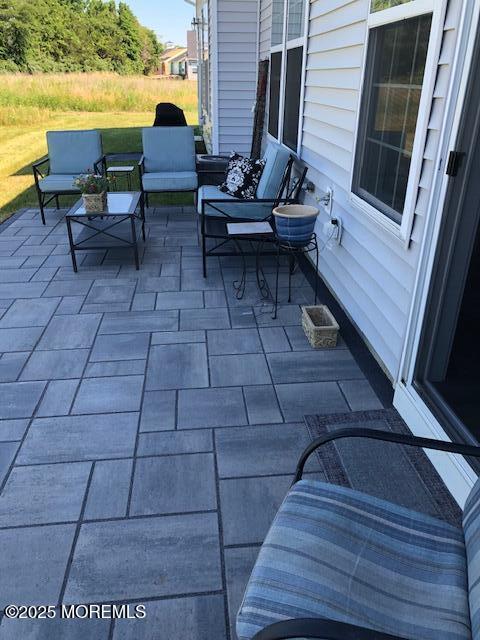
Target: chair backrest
[169,115]
[168,149]
[471,531]
[276,161]
[73,152]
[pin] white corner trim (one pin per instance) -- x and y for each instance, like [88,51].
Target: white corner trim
[213,18]
[454,470]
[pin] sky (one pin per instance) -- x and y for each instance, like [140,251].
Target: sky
[170,19]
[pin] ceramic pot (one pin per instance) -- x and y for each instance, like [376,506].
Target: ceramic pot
[294,223]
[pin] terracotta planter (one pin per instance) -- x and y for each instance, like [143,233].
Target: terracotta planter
[95,202]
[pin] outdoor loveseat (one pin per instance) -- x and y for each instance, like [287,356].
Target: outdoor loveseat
[217,208]
[70,154]
[338,564]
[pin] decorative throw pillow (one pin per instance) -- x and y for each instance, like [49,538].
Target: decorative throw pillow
[242,177]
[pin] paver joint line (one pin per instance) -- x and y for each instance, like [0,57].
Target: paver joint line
[144,407]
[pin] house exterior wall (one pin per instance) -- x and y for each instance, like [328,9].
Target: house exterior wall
[372,272]
[237,32]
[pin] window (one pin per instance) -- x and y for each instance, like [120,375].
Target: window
[286,66]
[390,141]
[274,99]
[293,86]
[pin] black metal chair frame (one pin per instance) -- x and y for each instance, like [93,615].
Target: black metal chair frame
[286,194]
[44,198]
[141,172]
[322,628]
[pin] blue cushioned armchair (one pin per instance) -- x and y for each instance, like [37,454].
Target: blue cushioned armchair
[168,161]
[70,154]
[217,208]
[338,564]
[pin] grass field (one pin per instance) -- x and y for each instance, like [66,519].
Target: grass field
[31,105]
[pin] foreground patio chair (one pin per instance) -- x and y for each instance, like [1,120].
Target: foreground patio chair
[217,208]
[168,161]
[70,154]
[338,564]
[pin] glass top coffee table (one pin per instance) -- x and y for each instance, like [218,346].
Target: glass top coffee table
[121,225]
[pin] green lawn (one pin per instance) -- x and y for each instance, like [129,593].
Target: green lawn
[118,106]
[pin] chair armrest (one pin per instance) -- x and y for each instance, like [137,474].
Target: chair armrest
[100,165]
[210,171]
[213,202]
[141,167]
[40,162]
[254,201]
[319,628]
[385,436]
[37,173]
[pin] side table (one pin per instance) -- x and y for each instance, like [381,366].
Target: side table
[126,170]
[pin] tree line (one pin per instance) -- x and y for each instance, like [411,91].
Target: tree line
[75,35]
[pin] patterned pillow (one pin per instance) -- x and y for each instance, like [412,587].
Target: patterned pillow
[242,177]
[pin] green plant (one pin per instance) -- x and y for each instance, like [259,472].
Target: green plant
[91,183]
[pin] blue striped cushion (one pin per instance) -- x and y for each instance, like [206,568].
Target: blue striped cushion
[339,554]
[471,528]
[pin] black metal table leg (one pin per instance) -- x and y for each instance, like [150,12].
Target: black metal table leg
[134,242]
[261,279]
[275,306]
[239,286]
[142,214]
[72,246]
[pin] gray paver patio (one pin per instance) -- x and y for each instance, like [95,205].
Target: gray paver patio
[150,424]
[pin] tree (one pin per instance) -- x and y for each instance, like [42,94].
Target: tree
[74,35]
[14,40]
[131,37]
[151,51]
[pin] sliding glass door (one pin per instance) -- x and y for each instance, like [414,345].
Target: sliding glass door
[447,374]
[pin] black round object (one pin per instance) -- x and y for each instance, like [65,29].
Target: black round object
[169,115]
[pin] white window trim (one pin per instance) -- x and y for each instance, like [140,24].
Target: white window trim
[402,231]
[282,48]
[214,76]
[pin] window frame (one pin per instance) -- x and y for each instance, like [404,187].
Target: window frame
[402,230]
[283,48]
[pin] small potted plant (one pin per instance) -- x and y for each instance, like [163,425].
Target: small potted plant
[93,187]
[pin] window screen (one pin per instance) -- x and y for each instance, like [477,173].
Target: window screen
[274,99]
[393,83]
[296,19]
[292,97]
[380,5]
[278,12]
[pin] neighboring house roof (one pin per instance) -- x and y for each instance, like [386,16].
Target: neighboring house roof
[175,53]
[192,44]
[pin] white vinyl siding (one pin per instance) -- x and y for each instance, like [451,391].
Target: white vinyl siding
[237,34]
[265,28]
[371,273]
